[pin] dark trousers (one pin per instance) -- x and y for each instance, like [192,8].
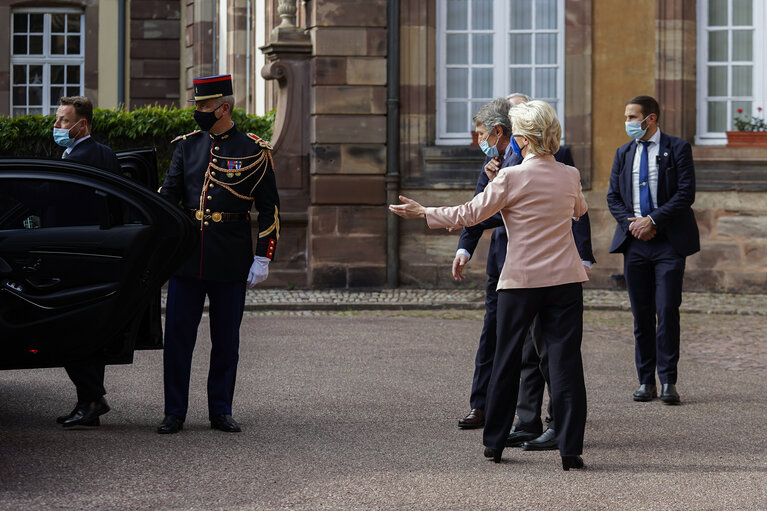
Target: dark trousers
[88,378]
[483,362]
[654,273]
[186,298]
[534,377]
[561,313]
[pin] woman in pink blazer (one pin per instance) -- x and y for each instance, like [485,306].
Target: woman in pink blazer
[542,274]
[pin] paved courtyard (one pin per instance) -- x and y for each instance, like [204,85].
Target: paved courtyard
[353,409]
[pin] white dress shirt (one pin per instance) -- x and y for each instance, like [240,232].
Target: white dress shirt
[653,150]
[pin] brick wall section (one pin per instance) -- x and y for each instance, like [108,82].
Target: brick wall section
[155,28]
[347,233]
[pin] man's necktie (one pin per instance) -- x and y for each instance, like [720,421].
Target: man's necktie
[645,199]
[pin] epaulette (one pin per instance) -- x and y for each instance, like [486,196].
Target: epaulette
[260,141]
[183,137]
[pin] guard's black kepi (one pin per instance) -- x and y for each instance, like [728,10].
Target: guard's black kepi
[209,87]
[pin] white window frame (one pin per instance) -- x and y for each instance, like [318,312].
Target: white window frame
[759,71]
[47,59]
[501,66]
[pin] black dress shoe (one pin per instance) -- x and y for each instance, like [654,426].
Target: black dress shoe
[493,453]
[669,395]
[646,392]
[475,419]
[574,462]
[546,442]
[170,424]
[224,423]
[63,418]
[519,437]
[87,414]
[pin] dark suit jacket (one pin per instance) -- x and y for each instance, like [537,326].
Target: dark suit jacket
[497,254]
[98,155]
[673,215]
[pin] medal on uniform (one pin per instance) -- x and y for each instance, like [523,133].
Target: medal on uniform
[233,165]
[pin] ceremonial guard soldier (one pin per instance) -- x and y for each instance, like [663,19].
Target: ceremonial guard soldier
[217,173]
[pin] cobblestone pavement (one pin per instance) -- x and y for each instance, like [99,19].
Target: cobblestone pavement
[402,298]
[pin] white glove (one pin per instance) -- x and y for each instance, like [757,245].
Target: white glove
[259,270]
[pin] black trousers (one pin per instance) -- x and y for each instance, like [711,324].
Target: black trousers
[561,313]
[483,362]
[654,274]
[533,380]
[88,378]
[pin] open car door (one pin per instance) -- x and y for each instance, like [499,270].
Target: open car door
[81,253]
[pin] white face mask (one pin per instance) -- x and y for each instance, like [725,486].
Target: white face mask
[61,136]
[634,128]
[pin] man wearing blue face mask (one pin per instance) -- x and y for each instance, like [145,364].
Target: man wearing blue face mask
[652,188]
[72,130]
[493,126]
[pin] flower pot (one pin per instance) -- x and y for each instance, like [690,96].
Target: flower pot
[747,139]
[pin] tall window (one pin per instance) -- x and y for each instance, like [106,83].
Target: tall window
[47,58]
[491,48]
[731,73]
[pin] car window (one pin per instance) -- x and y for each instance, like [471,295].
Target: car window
[44,203]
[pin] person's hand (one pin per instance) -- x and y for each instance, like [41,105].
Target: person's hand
[410,208]
[588,271]
[259,270]
[458,264]
[492,167]
[642,228]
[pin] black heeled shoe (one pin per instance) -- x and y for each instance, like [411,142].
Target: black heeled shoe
[574,462]
[492,453]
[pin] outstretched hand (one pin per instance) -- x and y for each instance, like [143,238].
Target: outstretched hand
[410,208]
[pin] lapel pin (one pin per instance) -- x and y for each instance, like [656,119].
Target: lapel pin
[665,154]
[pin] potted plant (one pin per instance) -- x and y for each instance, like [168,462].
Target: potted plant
[751,131]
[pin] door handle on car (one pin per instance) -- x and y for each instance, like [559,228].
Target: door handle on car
[44,283]
[31,265]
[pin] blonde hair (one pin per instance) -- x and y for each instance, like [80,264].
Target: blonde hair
[537,121]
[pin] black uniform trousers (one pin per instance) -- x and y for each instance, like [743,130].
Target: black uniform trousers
[654,274]
[88,378]
[561,313]
[186,298]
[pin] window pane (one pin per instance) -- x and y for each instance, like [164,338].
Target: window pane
[35,45]
[717,46]
[546,48]
[57,74]
[36,22]
[57,22]
[457,49]
[457,14]
[73,45]
[520,80]
[742,81]
[57,45]
[717,80]
[19,111]
[19,45]
[519,49]
[19,74]
[35,111]
[742,45]
[742,12]
[73,74]
[73,91]
[36,74]
[482,14]
[476,105]
[545,83]
[457,119]
[546,14]
[457,83]
[19,23]
[745,106]
[521,15]
[717,13]
[56,94]
[19,96]
[35,95]
[73,23]
[481,49]
[717,116]
[482,83]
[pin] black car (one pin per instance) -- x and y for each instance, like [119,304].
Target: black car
[83,254]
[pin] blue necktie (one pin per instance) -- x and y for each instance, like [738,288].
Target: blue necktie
[645,199]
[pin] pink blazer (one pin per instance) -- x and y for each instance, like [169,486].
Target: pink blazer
[537,199]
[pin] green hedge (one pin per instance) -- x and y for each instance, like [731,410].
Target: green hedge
[31,135]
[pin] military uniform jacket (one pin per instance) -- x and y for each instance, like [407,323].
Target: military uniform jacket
[217,178]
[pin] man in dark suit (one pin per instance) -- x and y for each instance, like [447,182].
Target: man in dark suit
[217,174]
[652,188]
[72,130]
[534,374]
